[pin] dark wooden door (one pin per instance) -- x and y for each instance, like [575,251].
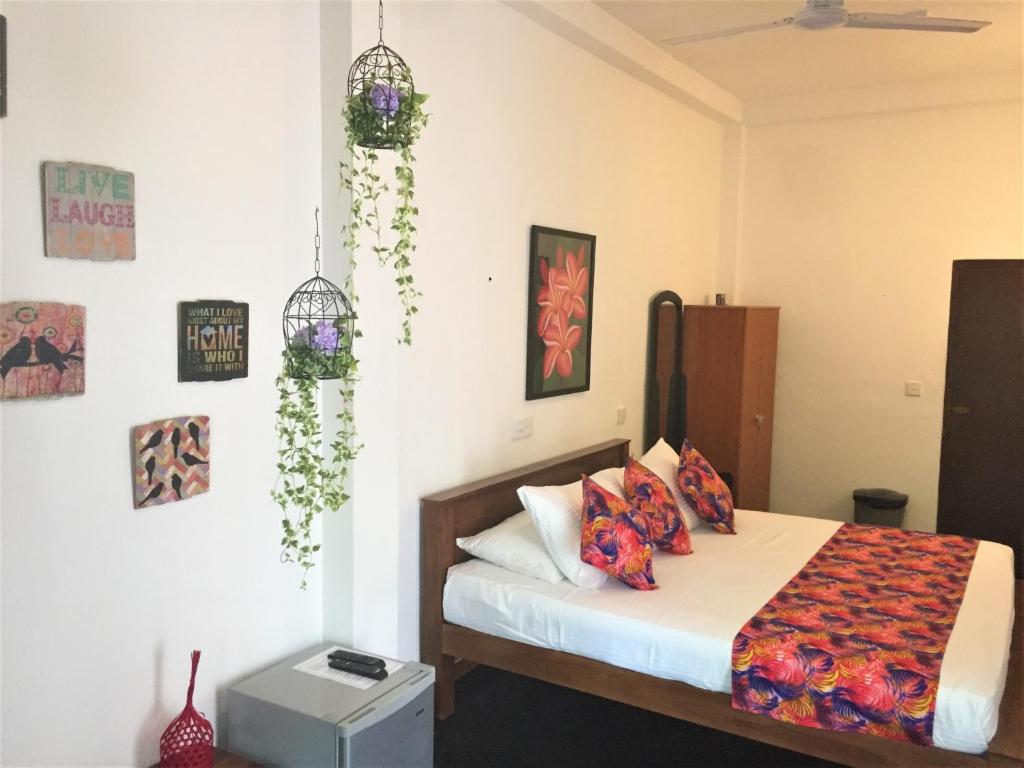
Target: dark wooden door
[981,474]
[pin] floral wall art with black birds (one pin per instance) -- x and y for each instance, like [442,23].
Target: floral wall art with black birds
[42,349]
[172,460]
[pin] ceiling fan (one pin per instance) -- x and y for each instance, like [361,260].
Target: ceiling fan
[828,14]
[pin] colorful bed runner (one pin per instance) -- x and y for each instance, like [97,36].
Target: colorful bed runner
[854,642]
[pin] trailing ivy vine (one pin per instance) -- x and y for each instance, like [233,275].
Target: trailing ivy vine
[361,177]
[310,481]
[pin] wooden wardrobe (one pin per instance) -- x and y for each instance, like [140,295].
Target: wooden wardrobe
[729,363]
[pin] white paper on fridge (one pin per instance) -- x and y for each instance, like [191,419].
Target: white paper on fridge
[317,665]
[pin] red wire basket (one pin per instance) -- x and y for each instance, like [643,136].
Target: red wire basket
[188,740]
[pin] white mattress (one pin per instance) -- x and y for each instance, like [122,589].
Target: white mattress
[684,630]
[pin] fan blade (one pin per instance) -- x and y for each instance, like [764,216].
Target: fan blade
[727,32]
[913,21]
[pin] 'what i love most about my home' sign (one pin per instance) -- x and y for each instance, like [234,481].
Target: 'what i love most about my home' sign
[90,212]
[213,340]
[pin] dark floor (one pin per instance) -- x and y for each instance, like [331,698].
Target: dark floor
[503,719]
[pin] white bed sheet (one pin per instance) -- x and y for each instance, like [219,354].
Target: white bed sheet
[684,630]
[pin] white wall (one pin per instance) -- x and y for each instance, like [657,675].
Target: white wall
[335,59]
[525,129]
[851,225]
[215,107]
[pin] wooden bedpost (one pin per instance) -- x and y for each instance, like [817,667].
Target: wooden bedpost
[435,560]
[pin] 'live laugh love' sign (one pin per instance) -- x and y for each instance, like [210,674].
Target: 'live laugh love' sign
[89,212]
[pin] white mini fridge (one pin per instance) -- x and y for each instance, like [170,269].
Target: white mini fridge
[302,714]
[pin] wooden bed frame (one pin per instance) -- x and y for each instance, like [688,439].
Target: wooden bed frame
[453,650]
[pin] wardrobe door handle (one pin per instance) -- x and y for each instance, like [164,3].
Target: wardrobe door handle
[759,418]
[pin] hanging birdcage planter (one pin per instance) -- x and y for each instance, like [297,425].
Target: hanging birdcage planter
[318,324]
[383,106]
[380,93]
[383,111]
[319,327]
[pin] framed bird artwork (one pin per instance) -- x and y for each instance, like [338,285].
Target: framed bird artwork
[171,460]
[42,349]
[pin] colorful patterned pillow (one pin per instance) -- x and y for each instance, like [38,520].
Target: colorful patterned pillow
[648,493]
[663,460]
[556,511]
[707,492]
[615,537]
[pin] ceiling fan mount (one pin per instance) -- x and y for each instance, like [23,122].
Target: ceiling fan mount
[820,15]
[817,15]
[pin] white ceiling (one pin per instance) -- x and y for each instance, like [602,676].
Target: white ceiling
[786,61]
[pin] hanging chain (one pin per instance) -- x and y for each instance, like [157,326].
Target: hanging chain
[316,241]
[380,20]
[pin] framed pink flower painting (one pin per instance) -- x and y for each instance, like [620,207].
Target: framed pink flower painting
[559,316]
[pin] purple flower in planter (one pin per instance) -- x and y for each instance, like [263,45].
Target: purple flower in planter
[326,339]
[321,336]
[384,99]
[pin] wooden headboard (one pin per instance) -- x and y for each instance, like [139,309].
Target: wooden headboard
[477,506]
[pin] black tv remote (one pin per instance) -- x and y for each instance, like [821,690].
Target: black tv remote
[358,658]
[364,670]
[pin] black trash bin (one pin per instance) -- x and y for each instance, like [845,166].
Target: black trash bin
[879,506]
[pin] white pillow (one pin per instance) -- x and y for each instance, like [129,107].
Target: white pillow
[663,460]
[556,511]
[513,544]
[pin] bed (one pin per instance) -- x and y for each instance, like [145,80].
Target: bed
[667,651]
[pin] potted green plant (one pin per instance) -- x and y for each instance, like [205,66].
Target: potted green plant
[319,328]
[382,115]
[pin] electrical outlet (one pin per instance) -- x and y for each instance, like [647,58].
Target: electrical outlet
[620,415]
[912,389]
[522,428]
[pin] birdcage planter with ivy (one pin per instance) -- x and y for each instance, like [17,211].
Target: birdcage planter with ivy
[382,99]
[318,324]
[383,111]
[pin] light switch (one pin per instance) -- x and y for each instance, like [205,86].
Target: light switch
[912,389]
[620,415]
[522,428]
